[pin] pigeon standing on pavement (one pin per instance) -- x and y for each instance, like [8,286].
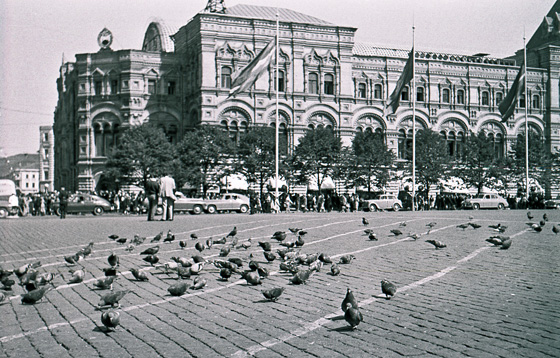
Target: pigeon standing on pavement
[353,316]
[139,275]
[178,289]
[348,299]
[365,222]
[555,229]
[110,319]
[233,232]
[157,237]
[150,251]
[113,260]
[112,299]
[529,215]
[437,244]
[388,288]
[273,293]
[34,296]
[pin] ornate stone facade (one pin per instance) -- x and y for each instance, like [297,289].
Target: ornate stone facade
[325,79]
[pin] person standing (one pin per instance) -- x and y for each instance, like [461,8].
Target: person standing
[63,197]
[167,192]
[152,191]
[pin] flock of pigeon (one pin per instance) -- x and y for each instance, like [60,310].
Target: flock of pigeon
[287,251]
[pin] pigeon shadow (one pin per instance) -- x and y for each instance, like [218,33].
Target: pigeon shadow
[337,318]
[342,329]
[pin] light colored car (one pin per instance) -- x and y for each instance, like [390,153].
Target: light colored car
[84,203]
[188,205]
[8,198]
[228,202]
[384,202]
[486,201]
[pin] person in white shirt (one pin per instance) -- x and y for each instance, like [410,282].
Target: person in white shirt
[167,193]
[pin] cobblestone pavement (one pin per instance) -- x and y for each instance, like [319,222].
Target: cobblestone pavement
[469,299]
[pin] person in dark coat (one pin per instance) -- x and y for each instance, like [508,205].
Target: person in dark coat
[63,197]
[152,191]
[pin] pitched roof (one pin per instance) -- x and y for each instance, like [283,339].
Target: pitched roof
[365,49]
[269,13]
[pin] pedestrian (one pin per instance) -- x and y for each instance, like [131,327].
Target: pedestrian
[63,198]
[152,192]
[167,193]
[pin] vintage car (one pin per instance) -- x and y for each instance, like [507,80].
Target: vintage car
[552,204]
[383,202]
[8,198]
[486,201]
[81,203]
[188,205]
[227,202]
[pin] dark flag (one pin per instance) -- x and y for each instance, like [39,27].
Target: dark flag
[507,106]
[405,78]
[242,80]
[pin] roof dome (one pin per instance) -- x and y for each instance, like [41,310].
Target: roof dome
[158,37]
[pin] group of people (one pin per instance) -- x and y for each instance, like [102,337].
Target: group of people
[163,187]
[318,202]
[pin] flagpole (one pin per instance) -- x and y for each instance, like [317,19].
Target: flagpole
[413,121]
[526,122]
[277,115]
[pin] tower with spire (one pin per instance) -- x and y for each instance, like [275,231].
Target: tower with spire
[217,6]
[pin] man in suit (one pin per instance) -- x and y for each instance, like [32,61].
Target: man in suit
[167,193]
[152,190]
[63,197]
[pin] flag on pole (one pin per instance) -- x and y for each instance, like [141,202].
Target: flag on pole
[242,80]
[507,106]
[405,78]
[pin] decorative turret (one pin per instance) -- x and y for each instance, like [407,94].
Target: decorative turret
[217,6]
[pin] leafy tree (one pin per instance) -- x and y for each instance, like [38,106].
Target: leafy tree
[317,155]
[371,160]
[143,152]
[431,158]
[479,167]
[204,156]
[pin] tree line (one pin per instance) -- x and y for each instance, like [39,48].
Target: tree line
[206,154]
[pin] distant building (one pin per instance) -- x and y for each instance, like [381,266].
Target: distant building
[180,79]
[46,158]
[27,179]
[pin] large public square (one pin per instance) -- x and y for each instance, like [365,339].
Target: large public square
[469,299]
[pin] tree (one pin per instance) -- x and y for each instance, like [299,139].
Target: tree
[431,158]
[204,156]
[143,152]
[479,167]
[371,160]
[317,155]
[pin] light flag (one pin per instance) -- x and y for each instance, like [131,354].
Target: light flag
[242,80]
[507,106]
[405,78]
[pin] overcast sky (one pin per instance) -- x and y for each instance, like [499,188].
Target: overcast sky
[34,35]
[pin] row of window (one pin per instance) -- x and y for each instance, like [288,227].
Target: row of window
[170,89]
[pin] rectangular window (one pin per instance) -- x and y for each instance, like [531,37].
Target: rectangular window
[171,87]
[27,185]
[46,137]
[329,84]
[125,84]
[377,91]
[46,153]
[460,97]
[33,185]
[114,86]
[26,176]
[98,87]
[151,86]
[46,174]
[313,83]
[404,94]
[362,90]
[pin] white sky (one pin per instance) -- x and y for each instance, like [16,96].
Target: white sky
[35,33]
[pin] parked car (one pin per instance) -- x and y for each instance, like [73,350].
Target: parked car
[8,198]
[486,201]
[552,204]
[188,205]
[227,202]
[85,203]
[384,202]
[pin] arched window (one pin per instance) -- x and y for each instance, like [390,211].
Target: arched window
[522,101]
[404,94]
[329,84]
[420,94]
[445,95]
[460,96]
[460,144]
[226,77]
[499,98]
[499,145]
[536,101]
[313,83]
[484,98]
[451,144]
[98,140]
[281,82]
[377,91]
[362,90]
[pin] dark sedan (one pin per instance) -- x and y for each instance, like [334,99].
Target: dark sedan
[85,203]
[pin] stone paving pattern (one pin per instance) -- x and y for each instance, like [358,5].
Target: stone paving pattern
[467,300]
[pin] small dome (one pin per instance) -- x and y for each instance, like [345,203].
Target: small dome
[158,37]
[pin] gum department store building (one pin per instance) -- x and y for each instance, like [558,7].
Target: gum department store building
[181,78]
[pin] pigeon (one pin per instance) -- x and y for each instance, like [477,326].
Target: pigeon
[353,316]
[170,237]
[86,251]
[545,217]
[209,243]
[139,275]
[324,258]
[495,241]
[542,223]
[346,259]
[194,236]
[112,298]
[301,277]
[266,246]
[199,247]
[35,295]
[529,215]
[335,270]
[402,224]
[288,244]
[253,265]
[110,319]
[245,244]
[72,259]
[431,224]
[368,231]
[157,237]
[182,244]
[475,225]
[237,261]
[269,256]
[178,289]
[113,260]
[293,230]
[263,272]
[224,251]
[388,288]
[2,297]
[252,278]
[463,226]
[437,244]
[506,244]
[281,235]
[198,258]
[183,272]
[150,251]
[7,283]
[121,240]
[348,299]
[413,236]
[113,236]
[104,283]
[497,226]
[273,293]
[365,222]
[372,237]
[396,232]
[299,242]
[233,232]
[555,229]
[302,233]
[138,240]
[5,273]
[195,268]
[199,283]
[536,228]
[151,259]
[110,271]
[129,248]
[225,273]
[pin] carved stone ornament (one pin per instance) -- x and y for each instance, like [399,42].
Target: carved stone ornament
[105,39]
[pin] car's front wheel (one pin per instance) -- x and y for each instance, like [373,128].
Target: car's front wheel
[211,209]
[501,206]
[98,210]
[3,212]
[396,207]
[243,209]
[372,208]
[197,209]
[476,206]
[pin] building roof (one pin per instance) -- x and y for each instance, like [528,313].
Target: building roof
[158,36]
[269,13]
